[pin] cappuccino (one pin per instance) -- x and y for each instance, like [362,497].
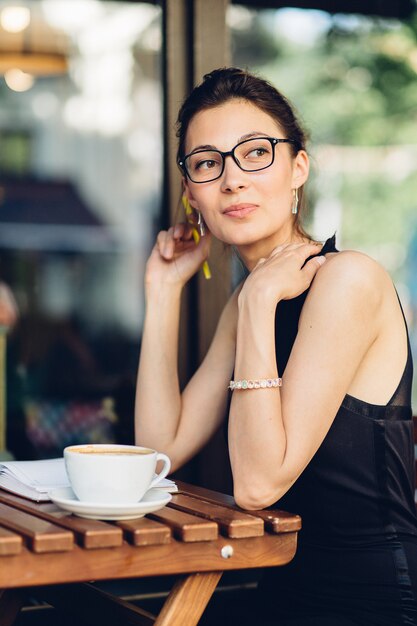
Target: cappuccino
[113,473]
[92,449]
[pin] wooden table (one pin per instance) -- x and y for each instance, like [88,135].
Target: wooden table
[199,535]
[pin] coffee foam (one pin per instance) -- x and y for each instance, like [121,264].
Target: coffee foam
[110,451]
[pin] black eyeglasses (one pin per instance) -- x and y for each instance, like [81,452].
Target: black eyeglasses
[251,155]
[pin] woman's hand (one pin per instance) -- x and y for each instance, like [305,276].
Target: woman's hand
[281,276]
[175,256]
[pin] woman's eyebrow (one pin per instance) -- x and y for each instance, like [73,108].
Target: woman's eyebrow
[254,133]
[203,147]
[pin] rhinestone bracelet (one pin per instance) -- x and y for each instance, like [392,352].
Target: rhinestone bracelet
[262,383]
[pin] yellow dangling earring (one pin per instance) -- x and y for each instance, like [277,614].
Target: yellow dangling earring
[196,235]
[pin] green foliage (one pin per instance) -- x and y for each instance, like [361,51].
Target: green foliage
[355,83]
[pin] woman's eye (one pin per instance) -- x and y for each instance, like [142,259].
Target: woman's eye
[205,165]
[257,153]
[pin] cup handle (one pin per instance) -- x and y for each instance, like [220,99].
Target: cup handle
[164,471]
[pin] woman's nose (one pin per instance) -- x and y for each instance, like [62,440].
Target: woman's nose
[233,177]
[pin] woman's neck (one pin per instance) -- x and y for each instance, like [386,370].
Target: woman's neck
[251,253]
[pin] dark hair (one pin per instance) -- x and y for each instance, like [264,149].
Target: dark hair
[224,84]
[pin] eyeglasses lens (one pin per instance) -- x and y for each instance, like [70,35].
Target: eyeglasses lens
[251,155]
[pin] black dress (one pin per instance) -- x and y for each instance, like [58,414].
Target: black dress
[356,561]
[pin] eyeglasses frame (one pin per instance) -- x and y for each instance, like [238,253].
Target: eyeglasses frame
[273,141]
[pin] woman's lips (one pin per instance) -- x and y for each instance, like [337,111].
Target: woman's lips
[239,210]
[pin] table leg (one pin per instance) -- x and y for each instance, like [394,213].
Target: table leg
[11,601]
[188,599]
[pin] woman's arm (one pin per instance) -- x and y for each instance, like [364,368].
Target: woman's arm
[158,397]
[174,423]
[274,433]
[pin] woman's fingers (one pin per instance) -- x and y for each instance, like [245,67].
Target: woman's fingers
[289,247]
[303,250]
[308,249]
[182,231]
[312,266]
[176,239]
[260,262]
[165,244]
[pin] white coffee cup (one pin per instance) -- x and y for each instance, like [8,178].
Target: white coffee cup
[113,473]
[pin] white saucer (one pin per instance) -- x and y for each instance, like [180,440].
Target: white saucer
[153,500]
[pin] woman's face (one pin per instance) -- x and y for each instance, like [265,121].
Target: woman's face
[245,208]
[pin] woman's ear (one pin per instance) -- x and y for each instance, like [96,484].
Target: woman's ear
[301,168]
[187,192]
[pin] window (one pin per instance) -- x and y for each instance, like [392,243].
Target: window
[80,185]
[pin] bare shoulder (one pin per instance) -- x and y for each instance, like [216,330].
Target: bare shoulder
[350,280]
[353,265]
[353,270]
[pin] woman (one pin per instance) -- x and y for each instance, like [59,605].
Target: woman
[316,343]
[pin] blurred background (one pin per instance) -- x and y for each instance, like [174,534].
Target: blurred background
[81,182]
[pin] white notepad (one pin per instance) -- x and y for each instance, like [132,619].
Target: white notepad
[35,479]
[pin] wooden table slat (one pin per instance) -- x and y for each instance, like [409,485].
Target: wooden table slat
[29,569]
[40,535]
[145,532]
[276,520]
[233,523]
[10,543]
[206,494]
[187,527]
[88,533]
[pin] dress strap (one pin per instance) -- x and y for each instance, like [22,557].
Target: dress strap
[401,396]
